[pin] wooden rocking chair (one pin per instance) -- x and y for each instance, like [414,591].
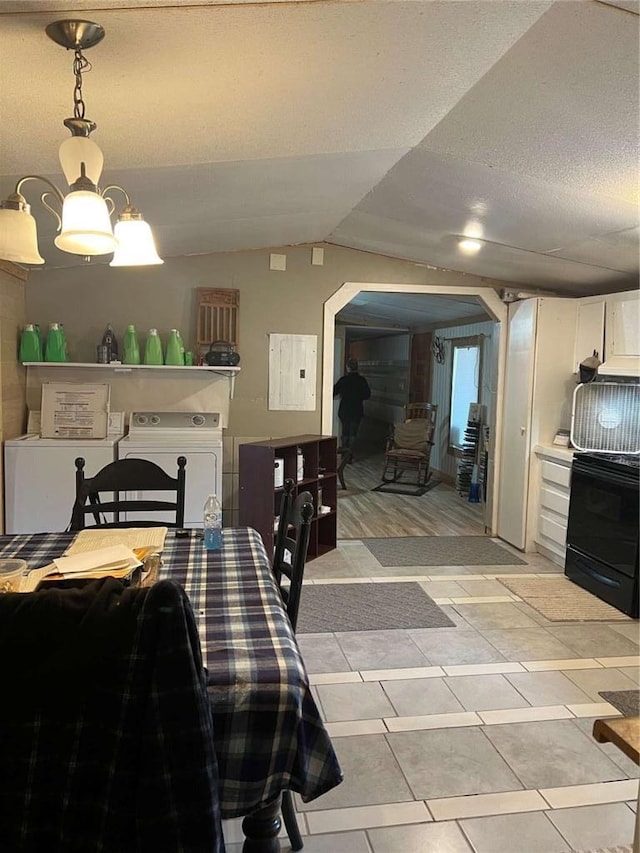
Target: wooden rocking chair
[409,448]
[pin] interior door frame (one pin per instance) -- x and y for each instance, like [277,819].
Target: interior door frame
[492,304]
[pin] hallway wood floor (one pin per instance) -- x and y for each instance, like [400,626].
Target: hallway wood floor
[439,512]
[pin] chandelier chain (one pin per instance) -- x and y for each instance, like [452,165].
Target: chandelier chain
[80,65]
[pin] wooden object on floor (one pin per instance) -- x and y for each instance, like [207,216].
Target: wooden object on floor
[346,456]
[624,732]
[260,499]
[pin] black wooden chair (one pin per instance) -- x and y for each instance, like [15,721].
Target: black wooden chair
[289,559]
[283,527]
[291,553]
[127,476]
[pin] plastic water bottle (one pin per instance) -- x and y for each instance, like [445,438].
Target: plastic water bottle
[212,524]
[299,466]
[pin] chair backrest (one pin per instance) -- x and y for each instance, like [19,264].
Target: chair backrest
[128,475]
[294,554]
[421,411]
[283,527]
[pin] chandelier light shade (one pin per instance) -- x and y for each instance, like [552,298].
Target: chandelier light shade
[86,226]
[80,149]
[136,246]
[18,237]
[84,213]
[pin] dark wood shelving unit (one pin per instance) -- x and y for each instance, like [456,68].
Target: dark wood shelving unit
[260,499]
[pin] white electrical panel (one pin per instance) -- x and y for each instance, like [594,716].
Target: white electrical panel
[292,372]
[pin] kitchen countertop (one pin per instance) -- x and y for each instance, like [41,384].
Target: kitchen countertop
[555,452]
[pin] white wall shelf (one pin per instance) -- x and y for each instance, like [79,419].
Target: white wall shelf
[117,367]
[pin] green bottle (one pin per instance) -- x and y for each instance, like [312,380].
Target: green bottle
[131,346]
[40,342]
[30,344]
[65,346]
[153,348]
[55,344]
[175,352]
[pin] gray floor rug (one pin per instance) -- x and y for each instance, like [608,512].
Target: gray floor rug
[406,488]
[625,848]
[560,600]
[368,607]
[626,701]
[441,551]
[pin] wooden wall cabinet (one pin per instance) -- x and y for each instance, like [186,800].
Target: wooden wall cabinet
[622,335]
[260,499]
[589,330]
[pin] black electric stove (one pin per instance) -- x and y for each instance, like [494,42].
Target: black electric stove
[602,532]
[620,462]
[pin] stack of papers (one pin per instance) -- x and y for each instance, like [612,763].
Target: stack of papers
[96,553]
[116,558]
[94,538]
[116,561]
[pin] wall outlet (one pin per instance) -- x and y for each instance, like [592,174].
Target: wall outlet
[277,262]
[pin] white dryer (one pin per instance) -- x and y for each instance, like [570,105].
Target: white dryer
[163,436]
[40,481]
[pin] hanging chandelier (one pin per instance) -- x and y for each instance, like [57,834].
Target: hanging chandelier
[84,220]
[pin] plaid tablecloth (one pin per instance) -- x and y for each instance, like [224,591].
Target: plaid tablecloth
[267,729]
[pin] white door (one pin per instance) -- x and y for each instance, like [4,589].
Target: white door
[518,398]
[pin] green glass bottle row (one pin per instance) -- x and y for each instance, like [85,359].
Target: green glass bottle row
[34,348]
[153,351]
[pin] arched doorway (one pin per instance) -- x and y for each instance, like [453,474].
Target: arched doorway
[490,302]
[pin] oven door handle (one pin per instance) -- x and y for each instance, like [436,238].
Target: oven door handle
[603,579]
[603,476]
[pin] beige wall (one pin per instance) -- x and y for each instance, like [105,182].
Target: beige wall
[12,374]
[86,298]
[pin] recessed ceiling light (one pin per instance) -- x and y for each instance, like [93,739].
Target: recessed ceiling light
[469,247]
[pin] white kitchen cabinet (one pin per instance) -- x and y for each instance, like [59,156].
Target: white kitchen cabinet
[589,330]
[552,473]
[539,383]
[622,334]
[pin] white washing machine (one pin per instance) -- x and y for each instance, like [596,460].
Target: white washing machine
[163,436]
[40,479]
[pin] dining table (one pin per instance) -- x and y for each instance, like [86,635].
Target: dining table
[268,732]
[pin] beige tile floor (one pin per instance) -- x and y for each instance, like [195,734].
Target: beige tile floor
[473,739]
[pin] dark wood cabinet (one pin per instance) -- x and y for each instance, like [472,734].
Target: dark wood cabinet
[260,497]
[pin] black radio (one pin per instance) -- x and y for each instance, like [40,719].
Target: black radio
[222,354]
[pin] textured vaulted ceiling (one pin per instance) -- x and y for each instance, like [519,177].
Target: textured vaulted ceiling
[382,126]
